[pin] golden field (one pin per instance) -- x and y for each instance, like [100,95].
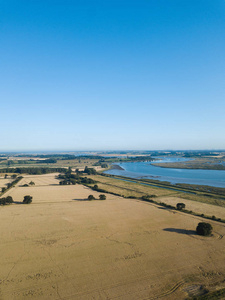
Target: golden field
[63,247]
[136,189]
[3,183]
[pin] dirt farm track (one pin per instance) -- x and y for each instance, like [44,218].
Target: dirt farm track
[63,247]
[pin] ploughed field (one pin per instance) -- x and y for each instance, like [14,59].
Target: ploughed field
[63,247]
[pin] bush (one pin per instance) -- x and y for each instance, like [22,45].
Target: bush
[102,197]
[9,199]
[2,201]
[204,229]
[31,183]
[27,199]
[91,197]
[180,206]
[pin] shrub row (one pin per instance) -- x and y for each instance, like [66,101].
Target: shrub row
[11,184]
[8,200]
[101,197]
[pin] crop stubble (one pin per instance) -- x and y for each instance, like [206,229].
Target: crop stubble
[62,247]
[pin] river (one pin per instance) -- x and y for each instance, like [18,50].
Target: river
[146,170]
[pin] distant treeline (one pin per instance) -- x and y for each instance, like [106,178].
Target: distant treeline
[200,154]
[104,160]
[30,161]
[32,170]
[63,156]
[47,161]
[52,158]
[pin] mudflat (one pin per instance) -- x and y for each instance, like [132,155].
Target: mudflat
[63,247]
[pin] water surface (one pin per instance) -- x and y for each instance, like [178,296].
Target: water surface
[146,170]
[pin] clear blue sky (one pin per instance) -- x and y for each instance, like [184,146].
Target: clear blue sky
[112,74]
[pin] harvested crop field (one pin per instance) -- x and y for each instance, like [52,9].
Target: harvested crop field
[197,207]
[63,247]
[40,180]
[3,182]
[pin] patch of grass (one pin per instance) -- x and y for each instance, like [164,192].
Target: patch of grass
[129,189]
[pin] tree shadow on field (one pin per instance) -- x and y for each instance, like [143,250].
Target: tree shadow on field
[81,200]
[18,202]
[181,231]
[165,208]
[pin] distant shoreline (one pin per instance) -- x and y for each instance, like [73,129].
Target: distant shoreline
[190,166]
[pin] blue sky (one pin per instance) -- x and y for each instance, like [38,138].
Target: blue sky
[111,75]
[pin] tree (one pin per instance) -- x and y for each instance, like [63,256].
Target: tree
[69,171]
[180,206]
[9,184]
[2,201]
[102,197]
[204,229]
[3,189]
[72,181]
[31,183]
[104,166]
[9,199]
[63,182]
[90,171]
[91,197]
[27,199]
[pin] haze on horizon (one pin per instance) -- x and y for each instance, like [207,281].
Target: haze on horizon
[112,75]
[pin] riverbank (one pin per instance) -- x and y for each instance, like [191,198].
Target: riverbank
[191,165]
[154,171]
[185,188]
[208,163]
